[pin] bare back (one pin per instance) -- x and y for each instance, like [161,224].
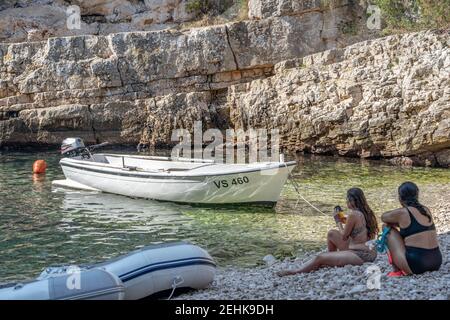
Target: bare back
[426,239]
[358,235]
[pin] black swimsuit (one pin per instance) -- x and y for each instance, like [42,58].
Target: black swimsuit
[420,260]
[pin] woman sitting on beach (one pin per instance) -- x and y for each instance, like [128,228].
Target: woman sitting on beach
[415,248]
[347,246]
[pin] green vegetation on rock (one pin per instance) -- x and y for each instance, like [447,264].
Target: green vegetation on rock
[213,12]
[349,28]
[413,15]
[214,7]
[198,6]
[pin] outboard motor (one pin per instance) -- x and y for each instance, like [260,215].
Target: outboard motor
[74,147]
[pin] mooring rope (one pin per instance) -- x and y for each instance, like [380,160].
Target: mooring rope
[175,284]
[296,188]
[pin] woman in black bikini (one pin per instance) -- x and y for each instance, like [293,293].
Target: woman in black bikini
[415,248]
[347,246]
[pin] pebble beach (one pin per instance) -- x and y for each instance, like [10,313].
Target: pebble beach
[349,282]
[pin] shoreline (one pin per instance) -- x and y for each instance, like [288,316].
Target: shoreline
[349,282]
[400,161]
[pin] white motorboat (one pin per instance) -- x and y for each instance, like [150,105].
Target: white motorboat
[168,179]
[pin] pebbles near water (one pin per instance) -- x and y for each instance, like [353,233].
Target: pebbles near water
[349,282]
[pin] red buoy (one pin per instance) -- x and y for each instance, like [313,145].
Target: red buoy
[39,166]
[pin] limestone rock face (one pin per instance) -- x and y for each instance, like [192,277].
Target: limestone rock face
[291,67]
[266,41]
[52,124]
[34,20]
[381,98]
[120,82]
[261,9]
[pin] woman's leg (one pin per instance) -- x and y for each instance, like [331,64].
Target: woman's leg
[335,241]
[397,249]
[326,259]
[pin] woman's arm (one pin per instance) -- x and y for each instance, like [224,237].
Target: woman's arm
[349,225]
[392,217]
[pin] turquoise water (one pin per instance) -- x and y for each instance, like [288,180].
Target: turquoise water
[41,225]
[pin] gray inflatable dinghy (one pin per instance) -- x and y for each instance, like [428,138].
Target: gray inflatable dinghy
[142,273]
[92,284]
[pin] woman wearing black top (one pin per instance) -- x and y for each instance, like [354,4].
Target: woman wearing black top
[414,248]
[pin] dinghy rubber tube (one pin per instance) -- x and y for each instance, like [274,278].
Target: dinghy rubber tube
[137,275]
[93,284]
[157,268]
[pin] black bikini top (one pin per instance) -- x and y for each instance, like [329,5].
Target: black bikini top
[414,227]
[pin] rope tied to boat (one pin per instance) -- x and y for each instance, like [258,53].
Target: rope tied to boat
[296,188]
[176,282]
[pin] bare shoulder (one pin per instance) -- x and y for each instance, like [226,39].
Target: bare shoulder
[394,216]
[399,211]
[353,213]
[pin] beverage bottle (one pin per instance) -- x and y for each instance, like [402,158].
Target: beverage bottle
[339,215]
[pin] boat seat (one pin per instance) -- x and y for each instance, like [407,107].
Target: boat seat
[99,158]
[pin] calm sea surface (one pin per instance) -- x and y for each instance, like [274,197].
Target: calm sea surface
[41,225]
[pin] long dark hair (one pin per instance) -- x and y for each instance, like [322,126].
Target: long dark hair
[408,193]
[356,197]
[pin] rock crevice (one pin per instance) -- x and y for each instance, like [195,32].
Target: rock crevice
[231,48]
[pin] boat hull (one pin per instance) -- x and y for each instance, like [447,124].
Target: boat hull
[261,185]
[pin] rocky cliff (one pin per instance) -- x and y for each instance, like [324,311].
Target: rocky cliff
[138,86]
[388,97]
[288,66]
[32,20]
